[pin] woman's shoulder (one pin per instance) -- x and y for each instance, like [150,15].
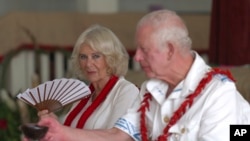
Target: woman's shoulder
[124,84]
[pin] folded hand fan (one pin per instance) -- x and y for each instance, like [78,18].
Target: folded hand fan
[53,95]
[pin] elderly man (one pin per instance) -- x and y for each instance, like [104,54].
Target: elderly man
[184,99]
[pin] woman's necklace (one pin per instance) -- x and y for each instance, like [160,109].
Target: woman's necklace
[93,95]
[182,109]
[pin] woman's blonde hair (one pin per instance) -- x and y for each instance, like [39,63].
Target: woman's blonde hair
[103,40]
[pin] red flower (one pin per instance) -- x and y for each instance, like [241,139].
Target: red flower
[3,124]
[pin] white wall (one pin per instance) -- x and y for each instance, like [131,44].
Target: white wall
[202,6]
[101,5]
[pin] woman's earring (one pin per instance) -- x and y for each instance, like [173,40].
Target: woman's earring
[109,71]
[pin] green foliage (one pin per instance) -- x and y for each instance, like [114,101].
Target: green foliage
[11,132]
[12,119]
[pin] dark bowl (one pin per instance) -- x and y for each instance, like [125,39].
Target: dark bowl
[33,131]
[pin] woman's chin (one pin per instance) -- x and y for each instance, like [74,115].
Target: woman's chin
[91,79]
[150,74]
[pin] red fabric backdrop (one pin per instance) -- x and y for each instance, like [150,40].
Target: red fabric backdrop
[230,32]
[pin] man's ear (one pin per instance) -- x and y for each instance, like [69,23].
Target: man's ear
[170,50]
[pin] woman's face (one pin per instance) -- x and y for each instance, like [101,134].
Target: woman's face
[93,64]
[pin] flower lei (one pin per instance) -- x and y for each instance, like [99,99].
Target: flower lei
[181,110]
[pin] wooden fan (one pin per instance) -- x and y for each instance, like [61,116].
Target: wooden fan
[53,95]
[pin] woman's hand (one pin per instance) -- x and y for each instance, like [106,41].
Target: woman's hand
[46,113]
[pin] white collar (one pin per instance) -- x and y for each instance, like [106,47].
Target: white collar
[158,88]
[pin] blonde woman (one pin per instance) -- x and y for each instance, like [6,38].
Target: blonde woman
[100,58]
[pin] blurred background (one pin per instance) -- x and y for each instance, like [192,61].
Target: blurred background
[37,36]
[89,6]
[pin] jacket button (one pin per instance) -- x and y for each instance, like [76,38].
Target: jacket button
[166,119]
[183,130]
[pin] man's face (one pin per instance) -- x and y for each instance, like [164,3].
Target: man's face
[148,54]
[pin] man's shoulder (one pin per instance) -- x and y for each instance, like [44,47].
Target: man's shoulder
[222,78]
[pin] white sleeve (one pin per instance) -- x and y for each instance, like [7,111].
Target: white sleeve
[225,107]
